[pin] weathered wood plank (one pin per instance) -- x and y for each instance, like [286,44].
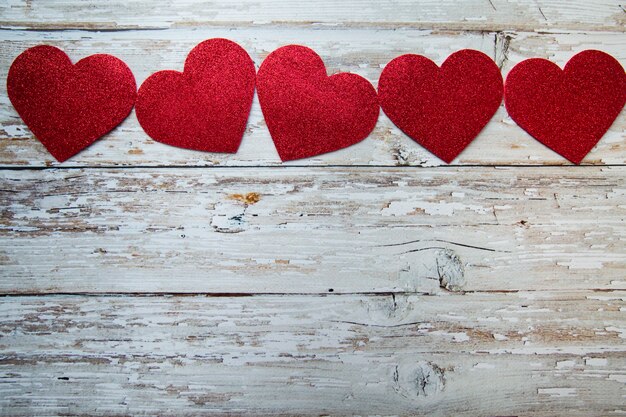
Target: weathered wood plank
[426,14]
[302,230]
[362,51]
[550,353]
[455,291]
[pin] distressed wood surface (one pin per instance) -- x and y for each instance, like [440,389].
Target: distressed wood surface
[362,51]
[551,354]
[440,14]
[142,279]
[295,230]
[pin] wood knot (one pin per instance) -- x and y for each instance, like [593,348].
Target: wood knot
[428,270]
[450,270]
[388,310]
[418,379]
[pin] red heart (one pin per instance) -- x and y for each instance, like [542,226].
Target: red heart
[309,113]
[68,107]
[567,110]
[443,109]
[206,107]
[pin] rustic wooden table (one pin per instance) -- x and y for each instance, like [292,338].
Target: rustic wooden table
[143,279]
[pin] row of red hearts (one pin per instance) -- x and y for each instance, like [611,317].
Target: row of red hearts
[206,107]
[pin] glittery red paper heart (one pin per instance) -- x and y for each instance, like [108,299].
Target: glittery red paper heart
[309,113]
[567,110]
[206,107]
[68,107]
[443,109]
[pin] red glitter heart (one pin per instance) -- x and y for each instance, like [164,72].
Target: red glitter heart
[309,113]
[206,107]
[443,109]
[68,107]
[567,110]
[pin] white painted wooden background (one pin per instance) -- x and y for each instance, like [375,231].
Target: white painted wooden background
[141,279]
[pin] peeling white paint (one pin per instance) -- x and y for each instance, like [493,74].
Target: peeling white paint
[558,392]
[555,234]
[596,361]
[403,208]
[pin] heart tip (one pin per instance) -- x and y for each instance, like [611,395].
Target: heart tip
[575,161]
[287,157]
[61,158]
[446,159]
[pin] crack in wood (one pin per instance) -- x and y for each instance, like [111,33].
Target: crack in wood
[438,247]
[414,323]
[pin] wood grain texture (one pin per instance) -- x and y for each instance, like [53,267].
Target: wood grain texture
[141,279]
[551,354]
[362,51]
[427,14]
[301,230]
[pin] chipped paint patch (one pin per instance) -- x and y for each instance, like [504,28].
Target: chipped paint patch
[596,361]
[558,392]
[441,208]
[248,198]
